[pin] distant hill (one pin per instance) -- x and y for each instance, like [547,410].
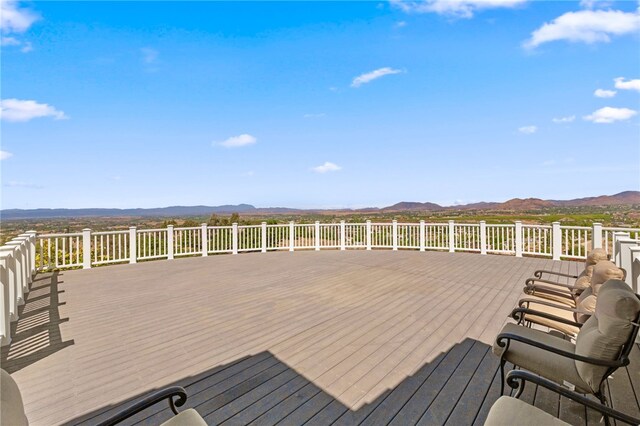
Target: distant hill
[515,204]
[404,206]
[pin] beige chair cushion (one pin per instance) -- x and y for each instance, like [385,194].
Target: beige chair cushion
[603,272]
[587,303]
[11,407]
[562,313]
[603,335]
[552,366]
[545,297]
[188,417]
[510,411]
[595,256]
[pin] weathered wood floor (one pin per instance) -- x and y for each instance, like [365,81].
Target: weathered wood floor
[308,337]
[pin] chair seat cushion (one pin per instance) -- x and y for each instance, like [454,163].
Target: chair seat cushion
[554,367]
[562,313]
[550,297]
[509,411]
[188,417]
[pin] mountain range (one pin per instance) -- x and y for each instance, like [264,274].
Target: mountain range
[515,204]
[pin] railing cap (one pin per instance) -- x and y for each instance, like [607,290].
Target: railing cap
[86,229]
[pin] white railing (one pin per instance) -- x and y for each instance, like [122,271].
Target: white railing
[17,269]
[60,251]
[30,252]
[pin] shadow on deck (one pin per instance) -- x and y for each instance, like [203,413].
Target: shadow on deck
[457,388]
[36,335]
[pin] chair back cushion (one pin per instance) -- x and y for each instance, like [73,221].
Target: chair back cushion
[11,407]
[608,329]
[595,256]
[603,272]
[584,279]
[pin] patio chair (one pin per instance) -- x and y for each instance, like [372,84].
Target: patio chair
[562,292]
[507,409]
[602,345]
[567,318]
[12,409]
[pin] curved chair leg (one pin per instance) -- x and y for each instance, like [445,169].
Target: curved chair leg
[603,400]
[502,363]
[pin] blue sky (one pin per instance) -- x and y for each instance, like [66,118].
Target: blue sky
[327,104]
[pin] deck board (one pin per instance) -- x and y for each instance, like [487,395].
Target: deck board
[325,337]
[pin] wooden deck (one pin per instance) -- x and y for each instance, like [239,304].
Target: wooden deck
[351,337]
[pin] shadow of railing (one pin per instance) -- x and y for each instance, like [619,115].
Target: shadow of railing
[36,334]
[458,385]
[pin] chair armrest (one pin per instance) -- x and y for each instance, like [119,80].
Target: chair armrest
[518,314]
[504,339]
[526,301]
[550,285]
[516,380]
[538,274]
[168,393]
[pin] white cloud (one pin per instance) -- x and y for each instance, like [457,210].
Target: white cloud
[454,8]
[20,184]
[610,115]
[4,155]
[602,93]
[373,75]
[149,56]
[628,84]
[588,26]
[400,24]
[567,119]
[14,19]
[326,167]
[238,141]
[10,41]
[19,110]
[593,4]
[528,130]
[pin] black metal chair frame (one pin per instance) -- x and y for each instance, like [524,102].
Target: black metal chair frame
[168,393]
[516,379]
[504,339]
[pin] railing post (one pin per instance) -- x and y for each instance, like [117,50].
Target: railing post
[635,268]
[626,257]
[452,236]
[205,245]
[33,235]
[596,239]
[20,275]
[394,234]
[483,237]
[25,244]
[518,232]
[12,280]
[368,235]
[86,248]
[617,236]
[234,238]
[292,235]
[170,245]
[422,236]
[133,245]
[263,228]
[556,241]
[317,235]
[343,236]
[5,318]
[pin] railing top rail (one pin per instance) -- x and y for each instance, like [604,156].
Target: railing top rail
[221,227]
[575,227]
[501,225]
[157,230]
[467,224]
[189,228]
[617,228]
[71,234]
[109,232]
[537,226]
